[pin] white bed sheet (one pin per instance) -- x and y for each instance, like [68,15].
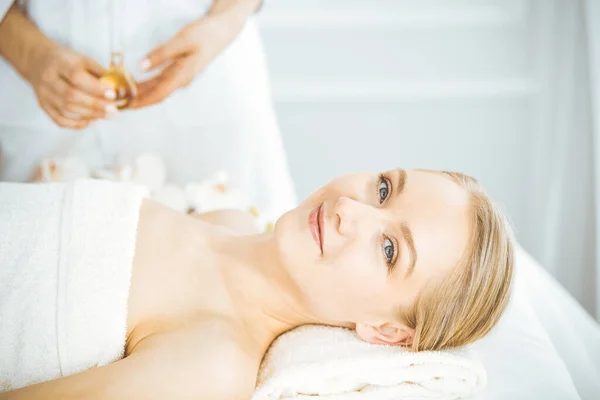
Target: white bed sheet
[546,346]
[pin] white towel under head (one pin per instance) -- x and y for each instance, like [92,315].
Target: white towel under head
[335,364]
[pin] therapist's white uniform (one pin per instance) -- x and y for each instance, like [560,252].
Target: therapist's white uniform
[223,121]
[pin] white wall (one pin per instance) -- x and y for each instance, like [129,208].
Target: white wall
[467,85]
[379,84]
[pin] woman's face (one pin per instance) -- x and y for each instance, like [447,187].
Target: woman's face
[365,244]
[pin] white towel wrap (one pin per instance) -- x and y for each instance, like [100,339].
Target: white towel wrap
[66,251]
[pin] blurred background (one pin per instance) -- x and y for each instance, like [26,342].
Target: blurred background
[503,90]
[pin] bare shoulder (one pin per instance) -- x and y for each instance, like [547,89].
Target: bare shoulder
[206,361]
[184,364]
[236,221]
[211,360]
[241,222]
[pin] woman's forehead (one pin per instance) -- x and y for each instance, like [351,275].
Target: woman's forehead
[437,212]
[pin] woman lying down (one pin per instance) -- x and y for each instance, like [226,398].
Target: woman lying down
[107,295]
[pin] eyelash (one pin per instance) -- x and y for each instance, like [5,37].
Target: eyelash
[389,261]
[383,179]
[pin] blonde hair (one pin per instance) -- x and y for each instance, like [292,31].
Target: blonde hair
[465,305]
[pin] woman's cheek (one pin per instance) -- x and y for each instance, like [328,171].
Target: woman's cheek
[359,268]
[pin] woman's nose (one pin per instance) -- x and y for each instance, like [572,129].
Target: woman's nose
[351,214]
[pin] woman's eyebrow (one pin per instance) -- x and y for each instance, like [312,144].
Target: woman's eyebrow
[410,243]
[401,181]
[406,232]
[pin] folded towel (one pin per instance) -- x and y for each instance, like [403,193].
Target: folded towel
[335,364]
[66,251]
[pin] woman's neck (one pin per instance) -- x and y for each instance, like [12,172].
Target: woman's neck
[264,296]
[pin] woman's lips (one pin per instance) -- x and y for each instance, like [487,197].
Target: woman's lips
[322,226]
[315,223]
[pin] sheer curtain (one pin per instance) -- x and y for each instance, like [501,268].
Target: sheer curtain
[592,22]
[562,209]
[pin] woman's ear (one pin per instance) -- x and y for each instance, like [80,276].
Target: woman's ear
[392,334]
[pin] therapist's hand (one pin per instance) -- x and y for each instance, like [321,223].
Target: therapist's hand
[68,88]
[65,82]
[191,50]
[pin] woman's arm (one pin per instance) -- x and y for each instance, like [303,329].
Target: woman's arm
[240,9]
[21,42]
[177,365]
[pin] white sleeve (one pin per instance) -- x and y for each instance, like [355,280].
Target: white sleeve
[4,6]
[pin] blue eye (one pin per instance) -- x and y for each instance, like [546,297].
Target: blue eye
[383,189]
[388,250]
